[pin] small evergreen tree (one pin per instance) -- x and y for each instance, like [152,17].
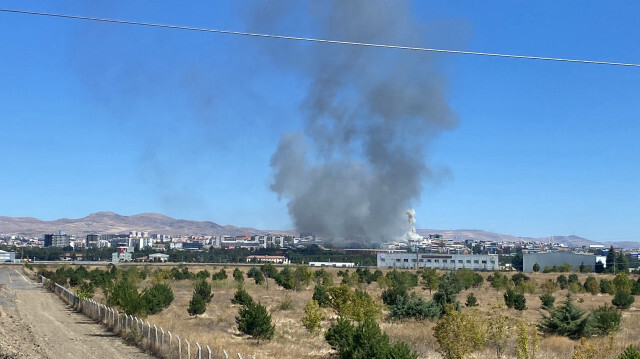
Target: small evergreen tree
[158,297]
[622,300]
[471,300]
[197,305]
[547,301]
[321,296]
[254,320]
[606,320]
[430,279]
[630,353]
[241,297]
[238,276]
[203,289]
[568,320]
[536,267]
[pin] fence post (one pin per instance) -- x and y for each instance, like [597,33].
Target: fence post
[225,354]
[162,340]
[199,350]
[209,351]
[149,332]
[239,356]
[179,347]
[156,330]
[188,349]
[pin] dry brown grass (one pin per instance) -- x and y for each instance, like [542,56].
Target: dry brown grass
[217,327]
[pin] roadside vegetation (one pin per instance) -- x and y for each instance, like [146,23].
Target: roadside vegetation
[296,311]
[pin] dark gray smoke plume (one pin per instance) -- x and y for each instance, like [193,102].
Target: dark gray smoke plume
[370,115]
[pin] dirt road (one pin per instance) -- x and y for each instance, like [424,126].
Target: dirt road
[34,323]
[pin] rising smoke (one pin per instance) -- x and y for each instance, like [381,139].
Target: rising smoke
[369,117]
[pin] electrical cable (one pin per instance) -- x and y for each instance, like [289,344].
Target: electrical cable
[308,39]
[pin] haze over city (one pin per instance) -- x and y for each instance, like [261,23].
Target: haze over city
[275,134]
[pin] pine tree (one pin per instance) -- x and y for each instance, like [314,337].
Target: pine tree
[254,320]
[237,275]
[197,305]
[568,320]
[241,297]
[611,259]
[203,289]
[630,353]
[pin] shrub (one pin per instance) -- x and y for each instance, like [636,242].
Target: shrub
[203,274]
[606,287]
[241,297]
[412,306]
[238,276]
[622,300]
[469,278]
[365,341]
[286,304]
[430,279]
[355,305]
[562,282]
[197,305]
[547,301]
[254,320]
[498,280]
[203,289]
[459,334]
[221,275]
[321,296]
[471,300]
[606,320]
[390,295]
[158,297]
[592,285]
[324,278]
[630,353]
[515,300]
[312,316]
[567,320]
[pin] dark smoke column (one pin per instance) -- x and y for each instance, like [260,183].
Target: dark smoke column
[370,115]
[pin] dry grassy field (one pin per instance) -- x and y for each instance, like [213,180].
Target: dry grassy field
[217,327]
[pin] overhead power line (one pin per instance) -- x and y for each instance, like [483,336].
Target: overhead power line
[296,38]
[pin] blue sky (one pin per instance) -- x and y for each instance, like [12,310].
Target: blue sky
[129,119]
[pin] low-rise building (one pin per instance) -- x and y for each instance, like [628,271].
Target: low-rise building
[123,254]
[438,261]
[270,259]
[7,256]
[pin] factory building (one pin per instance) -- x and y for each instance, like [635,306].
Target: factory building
[550,259]
[438,261]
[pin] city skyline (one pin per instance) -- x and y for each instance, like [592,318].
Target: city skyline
[108,117]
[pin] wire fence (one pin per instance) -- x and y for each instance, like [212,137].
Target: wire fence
[137,331]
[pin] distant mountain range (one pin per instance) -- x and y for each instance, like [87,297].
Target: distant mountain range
[111,223]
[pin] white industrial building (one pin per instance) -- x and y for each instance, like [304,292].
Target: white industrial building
[7,256]
[438,261]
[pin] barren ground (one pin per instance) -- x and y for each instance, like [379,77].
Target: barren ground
[34,323]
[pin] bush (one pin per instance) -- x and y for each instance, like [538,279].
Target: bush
[321,296]
[515,300]
[221,275]
[567,320]
[606,287]
[203,289]
[158,297]
[312,316]
[390,295]
[562,281]
[412,306]
[197,305]
[241,297]
[238,276]
[630,353]
[606,320]
[592,285]
[547,301]
[471,300]
[459,334]
[256,274]
[324,278]
[622,300]
[254,320]
[355,305]
[365,341]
